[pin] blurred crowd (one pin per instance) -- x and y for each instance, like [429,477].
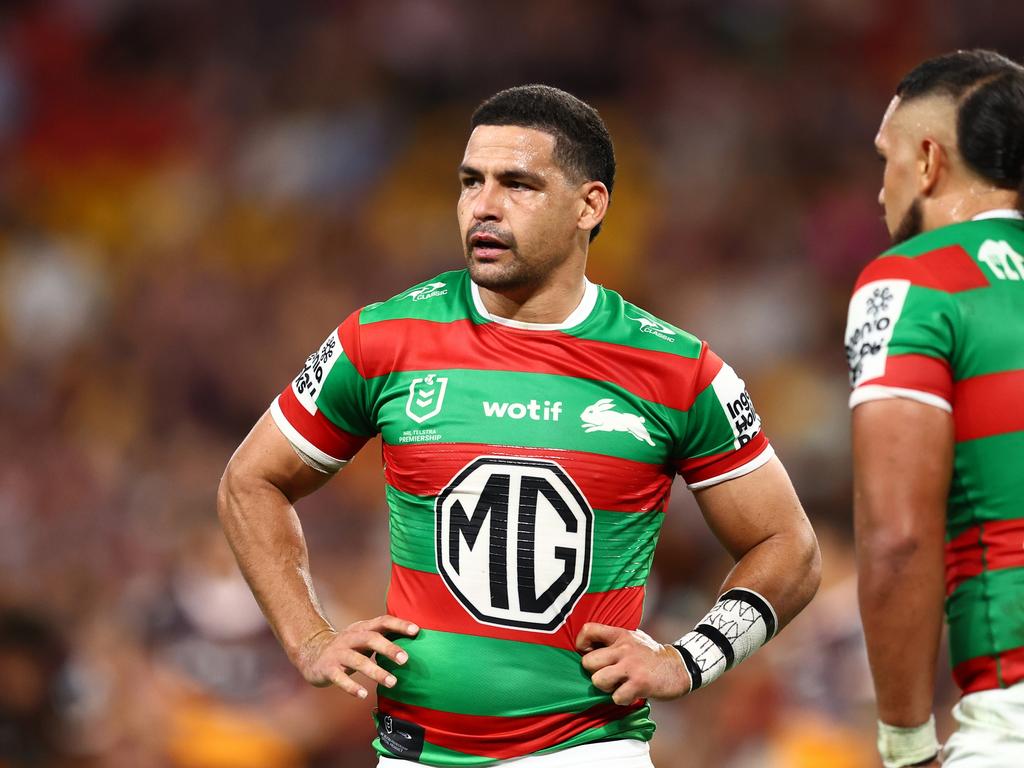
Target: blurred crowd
[193,193]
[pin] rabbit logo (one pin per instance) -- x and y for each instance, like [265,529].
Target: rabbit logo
[602,417]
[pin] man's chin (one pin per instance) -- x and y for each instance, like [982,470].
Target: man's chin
[494,275]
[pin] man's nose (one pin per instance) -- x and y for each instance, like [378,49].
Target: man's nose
[881,197]
[487,205]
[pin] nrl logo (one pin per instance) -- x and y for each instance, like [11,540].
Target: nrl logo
[428,291]
[653,327]
[426,396]
[602,417]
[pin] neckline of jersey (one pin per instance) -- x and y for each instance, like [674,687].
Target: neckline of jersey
[998,213]
[577,317]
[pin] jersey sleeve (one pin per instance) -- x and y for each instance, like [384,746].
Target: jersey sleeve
[723,437]
[325,411]
[900,334]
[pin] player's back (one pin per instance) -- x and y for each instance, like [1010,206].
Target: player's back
[940,318]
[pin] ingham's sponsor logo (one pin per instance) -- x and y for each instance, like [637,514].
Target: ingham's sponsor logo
[428,291]
[1005,263]
[513,542]
[308,383]
[426,397]
[533,410]
[739,408]
[602,417]
[874,310]
[654,327]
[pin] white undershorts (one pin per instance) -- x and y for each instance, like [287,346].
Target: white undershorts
[621,753]
[990,731]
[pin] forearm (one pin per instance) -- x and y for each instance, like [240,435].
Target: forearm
[785,569]
[264,532]
[901,596]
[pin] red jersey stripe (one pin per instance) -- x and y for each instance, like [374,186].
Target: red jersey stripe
[658,377]
[318,429]
[609,483]
[917,372]
[949,269]
[424,598]
[990,546]
[706,467]
[987,672]
[502,738]
[989,405]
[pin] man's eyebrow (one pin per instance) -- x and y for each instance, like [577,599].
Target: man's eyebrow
[508,174]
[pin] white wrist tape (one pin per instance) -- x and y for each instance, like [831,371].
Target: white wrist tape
[900,747]
[740,623]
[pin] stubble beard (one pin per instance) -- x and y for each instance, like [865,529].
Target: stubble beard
[911,225]
[511,275]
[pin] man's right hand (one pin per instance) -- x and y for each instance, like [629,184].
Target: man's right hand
[330,657]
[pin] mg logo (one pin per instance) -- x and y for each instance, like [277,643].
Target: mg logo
[426,396]
[513,542]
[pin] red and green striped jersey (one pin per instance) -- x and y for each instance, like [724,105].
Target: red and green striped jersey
[527,470]
[940,319]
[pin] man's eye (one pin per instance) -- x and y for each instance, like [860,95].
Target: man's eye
[468,183]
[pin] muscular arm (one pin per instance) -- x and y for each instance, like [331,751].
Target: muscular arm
[902,461]
[254,502]
[261,482]
[759,520]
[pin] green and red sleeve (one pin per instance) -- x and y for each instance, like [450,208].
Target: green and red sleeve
[723,437]
[324,412]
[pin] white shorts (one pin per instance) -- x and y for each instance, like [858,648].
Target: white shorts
[990,730]
[621,753]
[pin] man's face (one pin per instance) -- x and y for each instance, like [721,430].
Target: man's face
[917,142]
[899,193]
[517,210]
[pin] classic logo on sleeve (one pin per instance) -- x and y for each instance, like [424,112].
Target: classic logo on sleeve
[874,310]
[738,407]
[310,380]
[654,327]
[513,542]
[428,291]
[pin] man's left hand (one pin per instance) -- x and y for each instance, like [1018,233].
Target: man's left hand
[630,665]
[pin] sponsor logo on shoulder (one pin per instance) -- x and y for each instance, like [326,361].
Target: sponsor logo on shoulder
[602,417]
[654,327]
[428,291]
[308,383]
[1005,263]
[874,310]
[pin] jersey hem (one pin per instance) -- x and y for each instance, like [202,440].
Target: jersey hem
[309,453]
[744,469]
[870,392]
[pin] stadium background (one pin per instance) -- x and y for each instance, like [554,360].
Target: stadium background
[193,193]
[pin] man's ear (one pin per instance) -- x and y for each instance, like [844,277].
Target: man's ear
[933,163]
[595,205]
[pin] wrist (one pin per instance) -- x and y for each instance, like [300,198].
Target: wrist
[904,747]
[740,623]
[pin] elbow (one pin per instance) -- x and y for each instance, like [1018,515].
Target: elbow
[811,559]
[888,551]
[229,491]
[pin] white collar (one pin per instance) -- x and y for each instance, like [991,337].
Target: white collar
[578,315]
[999,213]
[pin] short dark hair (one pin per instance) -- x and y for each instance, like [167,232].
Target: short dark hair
[583,146]
[989,91]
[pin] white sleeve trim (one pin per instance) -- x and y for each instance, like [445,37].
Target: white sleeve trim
[309,453]
[882,392]
[745,469]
